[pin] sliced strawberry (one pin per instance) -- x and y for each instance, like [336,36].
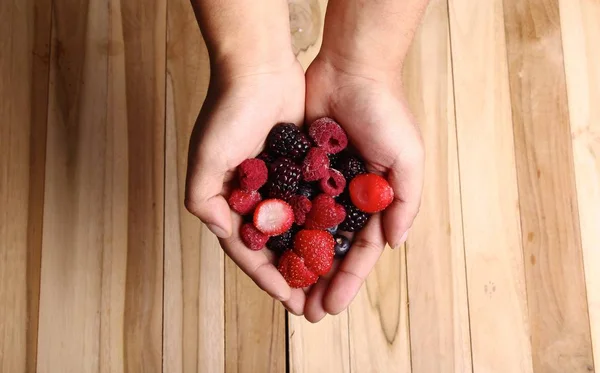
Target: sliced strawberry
[316,248]
[325,213]
[295,272]
[252,237]
[243,202]
[371,193]
[273,217]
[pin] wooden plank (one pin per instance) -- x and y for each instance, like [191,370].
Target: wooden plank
[378,318]
[494,258]
[254,326]
[101,293]
[581,36]
[560,332]
[24,74]
[194,267]
[437,288]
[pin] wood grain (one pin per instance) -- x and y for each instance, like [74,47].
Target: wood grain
[101,293]
[437,289]
[194,268]
[494,258]
[560,333]
[580,32]
[254,326]
[378,318]
[24,74]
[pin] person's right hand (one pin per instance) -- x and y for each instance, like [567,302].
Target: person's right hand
[241,107]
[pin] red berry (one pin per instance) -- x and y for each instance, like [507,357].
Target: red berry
[252,174]
[329,135]
[325,213]
[295,272]
[273,217]
[252,237]
[333,184]
[371,193]
[301,206]
[243,202]
[315,165]
[316,248]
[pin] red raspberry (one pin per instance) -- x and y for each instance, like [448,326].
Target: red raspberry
[252,174]
[273,217]
[334,183]
[243,202]
[252,237]
[329,135]
[316,165]
[316,248]
[294,271]
[301,206]
[370,193]
[325,213]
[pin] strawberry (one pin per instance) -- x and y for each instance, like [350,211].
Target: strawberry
[243,202]
[252,237]
[273,217]
[294,271]
[371,193]
[325,213]
[316,248]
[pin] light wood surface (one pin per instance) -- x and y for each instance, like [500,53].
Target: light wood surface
[103,270]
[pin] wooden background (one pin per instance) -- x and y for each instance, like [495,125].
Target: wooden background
[103,270]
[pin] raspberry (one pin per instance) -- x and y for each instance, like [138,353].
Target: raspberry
[329,135]
[301,206]
[355,219]
[316,165]
[284,179]
[351,166]
[325,213]
[333,184]
[252,237]
[243,202]
[294,271]
[370,193]
[309,190]
[316,248]
[281,243]
[252,174]
[273,217]
[286,140]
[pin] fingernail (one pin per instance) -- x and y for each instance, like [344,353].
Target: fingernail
[402,240]
[218,231]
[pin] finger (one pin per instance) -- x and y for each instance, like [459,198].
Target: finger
[258,265]
[406,178]
[314,310]
[204,182]
[356,266]
[296,303]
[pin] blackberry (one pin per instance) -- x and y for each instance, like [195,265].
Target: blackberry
[283,242]
[286,140]
[355,219]
[309,190]
[266,157]
[333,160]
[284,179]
[351,166]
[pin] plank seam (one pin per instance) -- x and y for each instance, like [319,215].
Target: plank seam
[164,201]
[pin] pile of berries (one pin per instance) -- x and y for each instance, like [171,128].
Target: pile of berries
[300,191]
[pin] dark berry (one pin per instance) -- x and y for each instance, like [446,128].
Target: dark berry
[309,190]
[284,179]
[334,159]
[332,230]
[355,219]
[351,166]
[266,157]
[284,241]
[342,245]
[286,140]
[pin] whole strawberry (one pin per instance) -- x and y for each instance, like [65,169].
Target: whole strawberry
[371,193]
[316,248]
[294,270]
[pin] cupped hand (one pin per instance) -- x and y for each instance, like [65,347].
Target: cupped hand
[370,106]
[241,107]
